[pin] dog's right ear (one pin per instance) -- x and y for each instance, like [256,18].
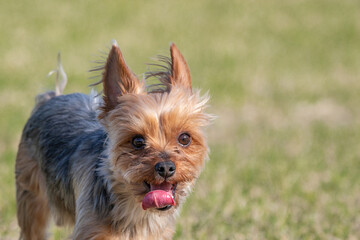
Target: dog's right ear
[117,79]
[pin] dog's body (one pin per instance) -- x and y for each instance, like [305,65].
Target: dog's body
[120,172]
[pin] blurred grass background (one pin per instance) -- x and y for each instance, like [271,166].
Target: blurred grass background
[284,77]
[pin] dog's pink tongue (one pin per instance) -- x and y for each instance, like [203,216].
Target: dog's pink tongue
[160,196]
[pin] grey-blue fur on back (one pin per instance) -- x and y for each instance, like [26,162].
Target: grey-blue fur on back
[67,134]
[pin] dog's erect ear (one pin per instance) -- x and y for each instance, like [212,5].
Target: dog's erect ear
[180,73]
[117,79]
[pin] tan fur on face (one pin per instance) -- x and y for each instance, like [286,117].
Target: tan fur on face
[160,118]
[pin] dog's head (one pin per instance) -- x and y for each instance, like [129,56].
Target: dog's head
[157,146]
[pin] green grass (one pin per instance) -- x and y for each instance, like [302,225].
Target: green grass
[284,80]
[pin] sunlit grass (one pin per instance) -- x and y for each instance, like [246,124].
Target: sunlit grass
[284,81]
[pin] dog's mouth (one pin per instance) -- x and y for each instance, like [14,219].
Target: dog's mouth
[159,196]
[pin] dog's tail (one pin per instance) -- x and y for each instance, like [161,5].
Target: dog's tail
[61,80]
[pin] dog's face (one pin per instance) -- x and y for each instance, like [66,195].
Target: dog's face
[157,144]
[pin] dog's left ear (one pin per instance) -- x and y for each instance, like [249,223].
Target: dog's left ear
[117,79]
[180,73]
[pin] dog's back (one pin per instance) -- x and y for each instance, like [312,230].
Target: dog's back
[60,129]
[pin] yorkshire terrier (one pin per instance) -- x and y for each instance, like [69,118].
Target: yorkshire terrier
[119,167]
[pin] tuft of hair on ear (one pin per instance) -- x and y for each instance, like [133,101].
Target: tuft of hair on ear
[117,80]
[162,73]
[171,72]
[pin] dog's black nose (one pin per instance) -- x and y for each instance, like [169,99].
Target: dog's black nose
[165,169]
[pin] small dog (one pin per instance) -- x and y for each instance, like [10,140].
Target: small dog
[116,168]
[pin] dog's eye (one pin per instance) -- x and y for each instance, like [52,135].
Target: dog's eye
[138,142]
[184,139]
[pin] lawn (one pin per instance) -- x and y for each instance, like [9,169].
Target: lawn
[284,77]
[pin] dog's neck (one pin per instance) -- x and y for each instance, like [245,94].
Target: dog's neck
[126,216]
